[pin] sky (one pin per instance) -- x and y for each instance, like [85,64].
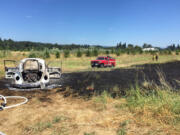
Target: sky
[95,22]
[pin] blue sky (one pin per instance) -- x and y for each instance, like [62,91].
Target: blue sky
[103,22]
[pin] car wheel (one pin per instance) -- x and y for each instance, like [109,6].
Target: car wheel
[101,65]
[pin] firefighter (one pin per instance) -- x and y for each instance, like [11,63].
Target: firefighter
[153,58]
[156,57]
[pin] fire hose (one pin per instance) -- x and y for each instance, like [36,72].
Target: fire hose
[4,106]
[2,133]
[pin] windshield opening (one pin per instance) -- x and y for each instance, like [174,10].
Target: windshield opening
[31,65]
[100,58]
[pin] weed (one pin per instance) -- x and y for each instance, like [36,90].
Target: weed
[120,106]
[101,101]
[162,104]
[124,123]
[39,127]
[121,131]
[102,98]
[91,133]
[58,119]
[60,131]
[116,91]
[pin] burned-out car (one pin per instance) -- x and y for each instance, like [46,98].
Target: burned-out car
[30,73]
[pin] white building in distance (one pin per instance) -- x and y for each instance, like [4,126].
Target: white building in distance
[150,49]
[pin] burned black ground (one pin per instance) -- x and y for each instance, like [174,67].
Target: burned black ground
[116,80]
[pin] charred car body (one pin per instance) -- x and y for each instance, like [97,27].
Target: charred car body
[30,73]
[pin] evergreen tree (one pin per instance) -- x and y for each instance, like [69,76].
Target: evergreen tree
[66,53]
[46,54]
[79,53]
[177,52]
[118,53]
[57,54]
[107,52]
[95,52]
[88,53]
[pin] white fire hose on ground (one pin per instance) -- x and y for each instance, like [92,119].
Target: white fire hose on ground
[2,133]
[4,98]
[3,105]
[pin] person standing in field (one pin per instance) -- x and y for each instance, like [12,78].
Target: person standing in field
[156,57]
[153,57]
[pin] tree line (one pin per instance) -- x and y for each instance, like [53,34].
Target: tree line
[9,44]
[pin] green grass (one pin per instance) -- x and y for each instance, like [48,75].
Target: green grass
[75,64]
[58,119]
[91,133]
[43,125]
[100,101]
[102,98]
[121,131]
[162,104]
[39,127]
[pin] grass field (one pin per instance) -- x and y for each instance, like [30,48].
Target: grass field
[149,110]
[75,64]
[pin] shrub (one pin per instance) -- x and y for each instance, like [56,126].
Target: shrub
[32,54]
[57,54]
[107,52]
[46,54]
[66,53]
[79,53]
[4,53]
[88,53]
[112,51]
[141,51]
[95,52]
[118,53]
[177,52]
[169,52]
[133,52]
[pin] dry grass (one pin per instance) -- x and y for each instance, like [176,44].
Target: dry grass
[50,113]
[102,115]
[74,64]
